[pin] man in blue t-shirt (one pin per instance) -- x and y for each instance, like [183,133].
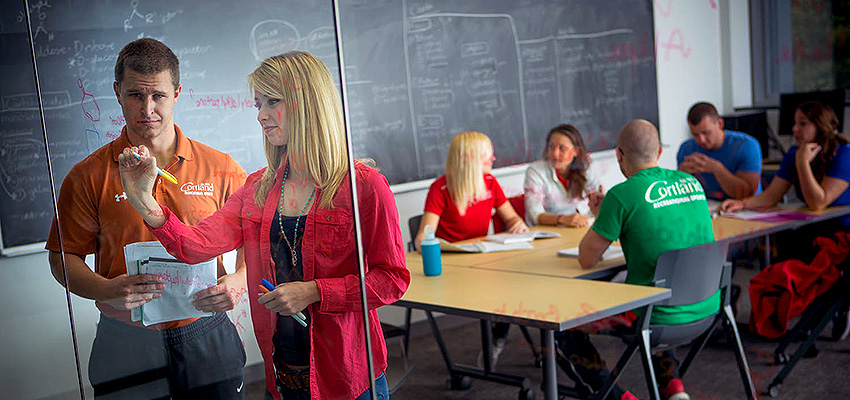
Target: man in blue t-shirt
[727,163]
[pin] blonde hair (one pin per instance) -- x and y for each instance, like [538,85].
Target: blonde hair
[464,172]
[316,143]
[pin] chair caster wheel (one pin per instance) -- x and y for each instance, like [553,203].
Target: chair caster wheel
[526,394]
[458,383]
[773,390]
[780,358]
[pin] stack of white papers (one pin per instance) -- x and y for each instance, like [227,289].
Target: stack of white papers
[610,253]
[482,247]
[181,281]
[507,238]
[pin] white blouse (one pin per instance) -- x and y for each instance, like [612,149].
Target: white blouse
[545,193]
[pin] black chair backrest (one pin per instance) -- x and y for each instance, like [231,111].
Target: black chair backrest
[413,226]
[692,274]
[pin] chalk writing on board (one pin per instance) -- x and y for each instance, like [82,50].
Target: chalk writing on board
[675,42]
[38,11]
[273,37]
[147,18]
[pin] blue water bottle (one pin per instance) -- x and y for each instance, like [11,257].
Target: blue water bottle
[432,265]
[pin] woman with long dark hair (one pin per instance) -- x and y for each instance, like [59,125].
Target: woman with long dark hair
[557,186]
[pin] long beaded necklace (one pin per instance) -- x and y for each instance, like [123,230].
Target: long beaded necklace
[295,238]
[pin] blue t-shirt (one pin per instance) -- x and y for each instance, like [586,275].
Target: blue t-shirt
[839,168]
[739,152]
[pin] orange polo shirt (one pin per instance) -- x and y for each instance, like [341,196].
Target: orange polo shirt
[97,218]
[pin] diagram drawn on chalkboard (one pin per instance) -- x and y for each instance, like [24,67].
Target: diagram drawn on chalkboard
[511,70]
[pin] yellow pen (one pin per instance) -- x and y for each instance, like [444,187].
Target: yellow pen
[161,172]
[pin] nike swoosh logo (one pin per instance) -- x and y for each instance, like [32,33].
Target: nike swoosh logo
[239,389]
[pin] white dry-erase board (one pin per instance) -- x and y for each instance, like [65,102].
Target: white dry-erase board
[418,73]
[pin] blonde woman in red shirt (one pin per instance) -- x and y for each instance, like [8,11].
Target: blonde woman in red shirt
[294,219]
[460,204]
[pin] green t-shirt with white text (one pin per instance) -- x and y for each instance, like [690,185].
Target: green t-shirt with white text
[654,211]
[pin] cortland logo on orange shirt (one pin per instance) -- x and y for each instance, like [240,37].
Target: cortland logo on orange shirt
[197,189]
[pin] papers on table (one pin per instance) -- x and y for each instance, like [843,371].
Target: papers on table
[508,238]
[610,253]
[713,207]
[769,216]
[181,280]
[482,247]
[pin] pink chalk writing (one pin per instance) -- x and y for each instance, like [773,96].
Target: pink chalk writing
[805,5]
[521,154]
[95,115]
[552,313]
[664,13]
[117,120]
[820,52]
[675,42]
[222,102]
[228,174]
[184,283]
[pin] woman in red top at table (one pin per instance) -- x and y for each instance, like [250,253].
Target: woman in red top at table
[460,203]
[294,219]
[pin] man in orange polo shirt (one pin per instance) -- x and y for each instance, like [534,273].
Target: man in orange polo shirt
[194,358]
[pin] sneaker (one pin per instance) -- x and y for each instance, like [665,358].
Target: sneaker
[675,390]
[495,352]
[628,396]
[841,325]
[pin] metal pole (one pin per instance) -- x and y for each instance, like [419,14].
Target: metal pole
[358,235]
[53,196]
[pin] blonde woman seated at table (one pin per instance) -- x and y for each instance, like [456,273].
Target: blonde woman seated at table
[557,186]
[460,203]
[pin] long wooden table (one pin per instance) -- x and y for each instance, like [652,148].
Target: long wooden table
[532,288]
[543,259]
[738,230]
[548,303]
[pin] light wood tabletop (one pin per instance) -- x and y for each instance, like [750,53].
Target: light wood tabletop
[542,260]
[543,302]
[737,229]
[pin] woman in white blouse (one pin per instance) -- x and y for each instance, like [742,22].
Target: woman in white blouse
[557,186]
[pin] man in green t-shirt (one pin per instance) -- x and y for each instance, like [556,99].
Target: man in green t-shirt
[655,210]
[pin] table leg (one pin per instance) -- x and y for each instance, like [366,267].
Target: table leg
[550,377]
[766,252]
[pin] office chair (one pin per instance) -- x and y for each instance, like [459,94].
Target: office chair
[693,274]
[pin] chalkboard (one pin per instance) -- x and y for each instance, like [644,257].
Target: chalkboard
[218,43]
[418,73]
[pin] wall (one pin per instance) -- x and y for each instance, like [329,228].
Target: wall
[38,355]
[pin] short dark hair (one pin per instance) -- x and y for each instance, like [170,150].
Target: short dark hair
[147,56]
[701,110]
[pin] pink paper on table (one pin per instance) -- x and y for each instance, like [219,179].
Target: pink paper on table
[783,216]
